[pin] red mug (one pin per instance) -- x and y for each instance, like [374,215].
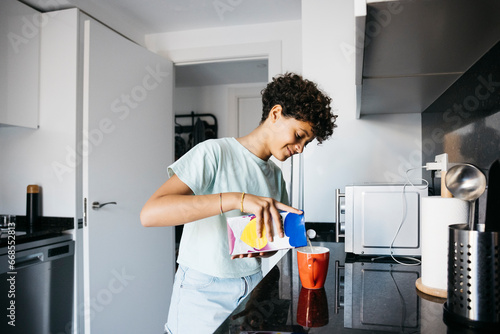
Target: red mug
[312,308]
[313,266]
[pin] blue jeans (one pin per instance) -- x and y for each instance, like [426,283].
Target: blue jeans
[200,302]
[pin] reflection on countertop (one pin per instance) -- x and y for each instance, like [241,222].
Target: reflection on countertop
[361,295]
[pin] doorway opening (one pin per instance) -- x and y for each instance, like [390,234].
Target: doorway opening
[227,90]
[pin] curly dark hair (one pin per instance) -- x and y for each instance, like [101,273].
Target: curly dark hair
[301,99]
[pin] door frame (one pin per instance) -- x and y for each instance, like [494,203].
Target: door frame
[235,52]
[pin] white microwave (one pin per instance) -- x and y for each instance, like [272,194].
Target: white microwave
[382,219]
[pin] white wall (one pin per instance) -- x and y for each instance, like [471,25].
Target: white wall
[233,41]
[371,149]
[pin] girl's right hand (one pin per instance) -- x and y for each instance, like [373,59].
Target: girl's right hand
[266,210]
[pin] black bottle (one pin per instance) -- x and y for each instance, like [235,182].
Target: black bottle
[32,206]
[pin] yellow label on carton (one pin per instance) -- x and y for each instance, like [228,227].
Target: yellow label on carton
[249,235]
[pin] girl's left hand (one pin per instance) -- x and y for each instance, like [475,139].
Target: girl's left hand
[250,255]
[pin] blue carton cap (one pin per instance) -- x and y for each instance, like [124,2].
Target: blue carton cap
[295,228]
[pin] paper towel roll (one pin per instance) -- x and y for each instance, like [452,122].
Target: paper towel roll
[437,214]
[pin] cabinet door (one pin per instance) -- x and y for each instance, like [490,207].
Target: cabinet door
[19,64]
[127,146]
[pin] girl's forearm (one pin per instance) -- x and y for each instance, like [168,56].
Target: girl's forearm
[171,210]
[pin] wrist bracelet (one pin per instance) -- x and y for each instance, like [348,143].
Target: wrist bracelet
[242,198]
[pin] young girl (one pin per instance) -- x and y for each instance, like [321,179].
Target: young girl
[226,177]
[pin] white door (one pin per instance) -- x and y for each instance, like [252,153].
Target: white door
[127,146]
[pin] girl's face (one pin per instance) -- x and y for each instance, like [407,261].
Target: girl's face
[290,137]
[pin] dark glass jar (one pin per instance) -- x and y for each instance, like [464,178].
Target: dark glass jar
[32,206]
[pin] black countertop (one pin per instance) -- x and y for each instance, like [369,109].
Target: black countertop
[47,227]
[361,295]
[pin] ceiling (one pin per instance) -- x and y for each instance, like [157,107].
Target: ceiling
[135,19]
[157,16]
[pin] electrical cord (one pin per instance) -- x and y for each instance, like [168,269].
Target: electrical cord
[402,300]
[405,207]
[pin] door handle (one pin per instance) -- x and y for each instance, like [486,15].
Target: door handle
[339,208]
[97,205]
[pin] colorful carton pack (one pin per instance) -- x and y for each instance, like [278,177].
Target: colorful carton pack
[242,234]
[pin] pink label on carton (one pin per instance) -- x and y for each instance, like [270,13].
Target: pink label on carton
[242,234]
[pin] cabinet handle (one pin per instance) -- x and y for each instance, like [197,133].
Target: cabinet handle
[97,205]
[339,208]
[29,260]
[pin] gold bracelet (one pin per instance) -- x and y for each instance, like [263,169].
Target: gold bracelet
[220,200]
[242,198]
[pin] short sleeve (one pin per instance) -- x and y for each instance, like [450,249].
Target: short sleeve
[198,167]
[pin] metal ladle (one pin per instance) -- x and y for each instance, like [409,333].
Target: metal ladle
[466,182]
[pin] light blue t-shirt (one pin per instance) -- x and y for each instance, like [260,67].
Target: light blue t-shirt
[218,166]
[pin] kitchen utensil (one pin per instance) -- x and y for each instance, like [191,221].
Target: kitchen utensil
[473,297]
[492,220]
[8,221]
[3,220]
[466,182]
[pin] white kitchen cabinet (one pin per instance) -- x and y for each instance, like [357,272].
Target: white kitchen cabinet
[19,64]
[121,95]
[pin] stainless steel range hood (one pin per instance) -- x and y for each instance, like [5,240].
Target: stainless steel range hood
[409,52]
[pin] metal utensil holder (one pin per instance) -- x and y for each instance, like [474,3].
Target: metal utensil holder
[473,278]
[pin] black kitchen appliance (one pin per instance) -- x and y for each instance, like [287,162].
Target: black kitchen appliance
[37,291]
